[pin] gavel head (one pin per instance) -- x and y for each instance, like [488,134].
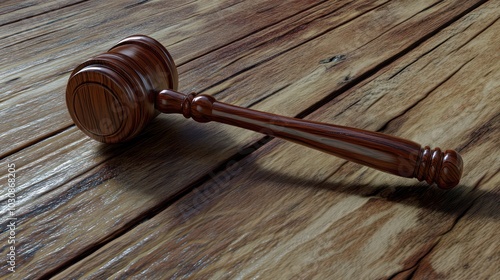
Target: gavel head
[111,97]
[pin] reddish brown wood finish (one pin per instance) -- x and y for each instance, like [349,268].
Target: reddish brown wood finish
[113,96]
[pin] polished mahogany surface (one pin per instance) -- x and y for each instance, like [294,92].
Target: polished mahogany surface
[113,96]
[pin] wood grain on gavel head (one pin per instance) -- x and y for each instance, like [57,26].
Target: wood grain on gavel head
[111,97]
[114,95]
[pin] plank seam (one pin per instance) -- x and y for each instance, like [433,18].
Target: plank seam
[474,37]
[35,141]
[384,127]
[422,56]
[479,133]
[431,6]
[42,13]
[136,4]
[255,102]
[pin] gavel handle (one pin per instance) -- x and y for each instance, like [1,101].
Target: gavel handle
[380,151]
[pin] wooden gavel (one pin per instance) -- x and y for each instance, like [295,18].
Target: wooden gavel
[114,95]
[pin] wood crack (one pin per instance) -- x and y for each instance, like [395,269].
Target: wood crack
[35,37]
[431,6]
[384,127]
[17,7]
[474,37]
[302,26]
[262,98]
[388,62]
[400,23]
[440,237]
[414,267]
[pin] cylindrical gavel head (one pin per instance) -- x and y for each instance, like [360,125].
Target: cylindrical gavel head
[111,96]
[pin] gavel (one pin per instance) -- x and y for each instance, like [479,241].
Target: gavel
[114,95]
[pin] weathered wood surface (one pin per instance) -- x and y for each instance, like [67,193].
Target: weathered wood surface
[187,200]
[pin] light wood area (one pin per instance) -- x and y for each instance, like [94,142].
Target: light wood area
[208,201]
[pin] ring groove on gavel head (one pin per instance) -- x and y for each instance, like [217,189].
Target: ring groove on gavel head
[111,97]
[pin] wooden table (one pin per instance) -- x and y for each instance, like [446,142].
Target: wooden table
[189,200]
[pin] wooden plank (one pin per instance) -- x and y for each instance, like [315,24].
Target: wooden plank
[287,212]
[108,183]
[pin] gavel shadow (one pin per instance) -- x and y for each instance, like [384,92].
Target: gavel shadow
[450,202]
[171,135]
[170,151]
[188,144]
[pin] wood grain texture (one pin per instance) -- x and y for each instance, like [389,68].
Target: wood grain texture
[111,97]
[80,201]
[278,214]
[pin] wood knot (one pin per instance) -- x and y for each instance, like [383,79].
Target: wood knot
[333,59]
